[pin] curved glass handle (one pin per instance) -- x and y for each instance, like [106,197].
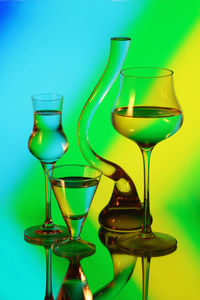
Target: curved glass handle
[118,51]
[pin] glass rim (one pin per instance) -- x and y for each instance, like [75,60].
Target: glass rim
[168,72]
[75,165]
[39,97]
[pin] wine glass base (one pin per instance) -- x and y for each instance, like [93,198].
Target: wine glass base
[45,236]
[157,245]
[74,249]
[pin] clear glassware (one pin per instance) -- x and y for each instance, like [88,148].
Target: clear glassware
[123,266]
[74,187]
[124,211]
[146,260]
[48,251]
[147,112]
[47,143]
[75,285]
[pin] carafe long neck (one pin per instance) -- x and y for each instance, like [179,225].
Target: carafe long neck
[118,52]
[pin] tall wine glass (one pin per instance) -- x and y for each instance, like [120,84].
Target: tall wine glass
[147,112]
[47,143]
[74,187]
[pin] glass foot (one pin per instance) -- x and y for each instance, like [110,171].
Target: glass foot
[44,236]
[74,248]
[156,244]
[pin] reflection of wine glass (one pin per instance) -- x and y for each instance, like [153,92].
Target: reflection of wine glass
[75,285]
[147,112]
[48,251]
[145,273]
[47,143]
[74,187]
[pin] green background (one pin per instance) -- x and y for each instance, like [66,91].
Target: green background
[63,46]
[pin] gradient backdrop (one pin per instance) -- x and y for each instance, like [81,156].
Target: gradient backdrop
[62,46]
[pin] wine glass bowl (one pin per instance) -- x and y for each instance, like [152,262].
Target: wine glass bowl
[47,141]
[74,187]
[147,111]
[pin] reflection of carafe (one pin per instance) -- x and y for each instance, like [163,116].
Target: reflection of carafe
[123,266]
[124,211]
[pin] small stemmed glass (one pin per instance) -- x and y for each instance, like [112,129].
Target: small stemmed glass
[47,143]
[74,187]
[147,112]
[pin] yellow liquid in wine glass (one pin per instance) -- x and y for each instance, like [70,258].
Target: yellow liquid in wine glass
[147,125]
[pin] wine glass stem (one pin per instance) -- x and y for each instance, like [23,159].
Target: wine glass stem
[145,276]
[75,227]
[48,220]
[146,227]
[48,294]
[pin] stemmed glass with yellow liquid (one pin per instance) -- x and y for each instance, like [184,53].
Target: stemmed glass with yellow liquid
[47,143]
[147,112]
